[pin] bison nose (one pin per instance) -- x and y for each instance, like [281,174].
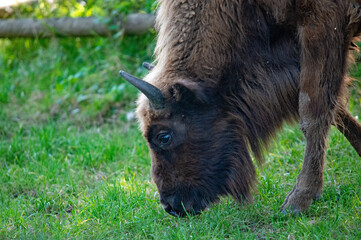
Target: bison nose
[170,205]
[177,208]
[168,208]
[173,206]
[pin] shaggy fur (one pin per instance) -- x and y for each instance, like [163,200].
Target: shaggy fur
[232,72]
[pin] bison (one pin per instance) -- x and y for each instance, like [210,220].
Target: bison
[229,73]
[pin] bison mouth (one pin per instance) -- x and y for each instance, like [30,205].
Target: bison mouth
[182,212]
[185,203]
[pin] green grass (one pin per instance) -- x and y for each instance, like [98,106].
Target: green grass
[73,166]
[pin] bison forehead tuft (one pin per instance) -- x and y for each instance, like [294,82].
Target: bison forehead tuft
[146,114]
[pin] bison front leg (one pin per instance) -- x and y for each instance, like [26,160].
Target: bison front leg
[324,44]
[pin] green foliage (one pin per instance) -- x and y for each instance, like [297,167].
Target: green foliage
[75,78]
[73,164]
[125,7]
[76,8]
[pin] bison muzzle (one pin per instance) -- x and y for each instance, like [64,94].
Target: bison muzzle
[228,74]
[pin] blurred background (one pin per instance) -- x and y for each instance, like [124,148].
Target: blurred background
[71,78]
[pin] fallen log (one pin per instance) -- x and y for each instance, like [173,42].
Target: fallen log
[134,24]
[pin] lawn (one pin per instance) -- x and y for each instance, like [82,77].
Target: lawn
[73,164]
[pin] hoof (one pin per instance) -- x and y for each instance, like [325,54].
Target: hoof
[294,212]
[297,201]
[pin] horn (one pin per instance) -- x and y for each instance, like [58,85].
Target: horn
[148,66]
[154,95]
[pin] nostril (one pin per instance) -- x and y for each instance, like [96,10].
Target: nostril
[168,208]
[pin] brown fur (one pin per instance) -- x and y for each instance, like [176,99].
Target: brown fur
[232,71]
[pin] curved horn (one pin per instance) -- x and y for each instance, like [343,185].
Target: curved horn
[154,95]
[148,66]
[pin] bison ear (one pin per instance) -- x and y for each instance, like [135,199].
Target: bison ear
[189,93]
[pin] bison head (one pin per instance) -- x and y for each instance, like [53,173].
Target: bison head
[196,145]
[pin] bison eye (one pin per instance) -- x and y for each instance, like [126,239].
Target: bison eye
[164,138]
